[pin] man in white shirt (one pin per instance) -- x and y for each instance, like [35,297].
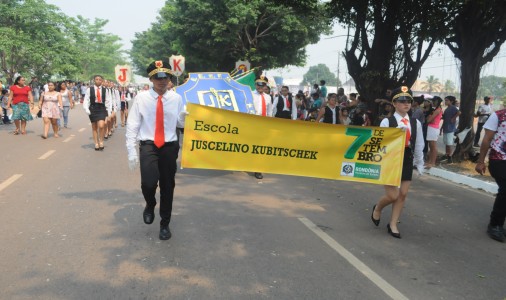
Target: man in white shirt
[284,106]
[152,120]
[262,104]
[484,111]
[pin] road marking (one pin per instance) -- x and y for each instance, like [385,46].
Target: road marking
[47,154]
[9,181]
[69,138]
[354,261]
[82,129]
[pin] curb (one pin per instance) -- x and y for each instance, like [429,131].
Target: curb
[490,187]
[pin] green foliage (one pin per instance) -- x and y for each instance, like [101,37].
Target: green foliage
[319,72]
[389,40]
[213,34]
[492,86]
[37,39]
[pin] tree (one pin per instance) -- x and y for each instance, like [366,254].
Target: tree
[477,33]
[35,39]
[319,72]
[100,52]
[213,34]
[388,41]
[491,86]
[432,84]
[448,87]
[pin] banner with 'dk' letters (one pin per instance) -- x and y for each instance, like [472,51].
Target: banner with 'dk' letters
[227,140]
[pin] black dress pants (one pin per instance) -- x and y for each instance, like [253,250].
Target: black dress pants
[497,169]
[158,166]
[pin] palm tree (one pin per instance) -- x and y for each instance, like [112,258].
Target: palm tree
[448,87]
[432,84]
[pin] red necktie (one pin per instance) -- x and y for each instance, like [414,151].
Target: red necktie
[408,132]
[159,132]
[287,103]
[264,113]
[123,96]
[99,99]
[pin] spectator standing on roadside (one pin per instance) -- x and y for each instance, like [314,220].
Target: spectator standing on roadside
[483,112]
[433,121]
[323,91]
[448,128]
[495,140]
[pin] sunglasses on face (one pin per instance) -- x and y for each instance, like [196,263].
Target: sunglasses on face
[404,101]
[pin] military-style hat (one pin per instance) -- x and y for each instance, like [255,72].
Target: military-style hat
[402,93]
[159,69]
[261,81]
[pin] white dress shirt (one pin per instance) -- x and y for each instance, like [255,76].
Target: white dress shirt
[142,118]
[293,109]
[86,101]
[257,103]
[420,144]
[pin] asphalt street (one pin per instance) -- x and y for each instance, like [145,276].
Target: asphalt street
[72,228]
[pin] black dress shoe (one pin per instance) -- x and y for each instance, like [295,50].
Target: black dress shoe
[376,222]
[259,176]
[394,234]
[149,215]
[164,232]
[496,233]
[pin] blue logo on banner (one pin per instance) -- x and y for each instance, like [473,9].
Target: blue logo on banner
[217,90]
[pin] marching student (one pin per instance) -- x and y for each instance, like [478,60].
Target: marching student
[153,119]
[262,104]
[284,106]
[413,154]
[95,104]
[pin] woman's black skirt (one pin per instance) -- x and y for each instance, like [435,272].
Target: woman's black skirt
[97,112]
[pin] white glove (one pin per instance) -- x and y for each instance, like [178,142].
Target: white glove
[403,127]
[183,114]
[132,163]
[421,169]
[87,111]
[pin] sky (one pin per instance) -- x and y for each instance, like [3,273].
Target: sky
[126,17]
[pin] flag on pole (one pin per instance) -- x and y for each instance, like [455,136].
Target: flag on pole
[248,79]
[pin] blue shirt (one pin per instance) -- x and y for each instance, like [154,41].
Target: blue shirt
[448,124]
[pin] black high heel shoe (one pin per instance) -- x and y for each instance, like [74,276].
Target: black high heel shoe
[376,222]
[394,234]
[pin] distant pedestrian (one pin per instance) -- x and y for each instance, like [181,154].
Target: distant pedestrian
[95,105]
[21,101]
[433,121]
[484,111]
[495,140]
[67,102]
[50,103]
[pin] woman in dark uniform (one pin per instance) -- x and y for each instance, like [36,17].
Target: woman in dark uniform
[95,104]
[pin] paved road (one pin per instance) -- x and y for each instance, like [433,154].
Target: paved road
[72,229]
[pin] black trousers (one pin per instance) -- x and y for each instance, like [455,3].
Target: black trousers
[497,169]
[284,114]
[158,166]
[478,133]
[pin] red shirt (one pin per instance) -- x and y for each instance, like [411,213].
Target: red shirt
[20,94]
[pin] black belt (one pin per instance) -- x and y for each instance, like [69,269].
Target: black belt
[173,143]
